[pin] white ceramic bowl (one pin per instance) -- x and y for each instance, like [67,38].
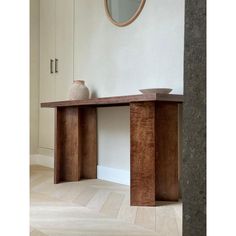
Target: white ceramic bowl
[156,90]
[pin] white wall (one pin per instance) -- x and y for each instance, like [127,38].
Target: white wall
[113,137]
[119,61]
[34,75]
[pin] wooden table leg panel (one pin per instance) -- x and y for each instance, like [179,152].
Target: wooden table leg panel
[167,186]
[57,145]
[142,129]
[67,145]
[88,117]
[75,143]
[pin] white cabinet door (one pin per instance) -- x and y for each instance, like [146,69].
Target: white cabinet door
[47,79]
[64,47]
[56,42]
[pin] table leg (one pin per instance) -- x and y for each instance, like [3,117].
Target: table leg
[75,143]
[154,152]
[167,183]
[142,132]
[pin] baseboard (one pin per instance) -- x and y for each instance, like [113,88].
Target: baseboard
[43,160]
[113,175]
[103,173]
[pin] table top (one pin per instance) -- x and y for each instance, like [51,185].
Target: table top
[116,101]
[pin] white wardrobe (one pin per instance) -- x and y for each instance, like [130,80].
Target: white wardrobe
[56,61]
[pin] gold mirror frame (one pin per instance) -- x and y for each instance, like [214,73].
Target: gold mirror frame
[125,23]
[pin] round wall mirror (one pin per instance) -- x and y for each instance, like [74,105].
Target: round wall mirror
[123,12]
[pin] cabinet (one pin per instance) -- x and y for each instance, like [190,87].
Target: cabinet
[56,60]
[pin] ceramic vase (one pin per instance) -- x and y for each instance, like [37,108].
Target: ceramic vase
[78,91]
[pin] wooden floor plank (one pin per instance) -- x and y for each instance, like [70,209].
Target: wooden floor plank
[146,217]
[112,205]
[166,221]
[99,208]
[84,197]
[98,200]
[127,213]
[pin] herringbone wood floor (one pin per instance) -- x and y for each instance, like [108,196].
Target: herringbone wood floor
[94,207]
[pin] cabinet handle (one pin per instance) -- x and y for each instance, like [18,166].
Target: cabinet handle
[51,66]
[56,65]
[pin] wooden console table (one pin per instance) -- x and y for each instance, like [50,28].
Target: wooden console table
[154,143]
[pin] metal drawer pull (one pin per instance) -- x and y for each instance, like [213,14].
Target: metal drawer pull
[51,66]
[56,65]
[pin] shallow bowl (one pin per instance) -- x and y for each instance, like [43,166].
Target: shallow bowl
[156,90]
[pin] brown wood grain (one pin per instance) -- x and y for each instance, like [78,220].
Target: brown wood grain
[114,101]
[75,143]
[68,145]
[167,185]
[57,145]
[154,148]
[142,131]
[88,126]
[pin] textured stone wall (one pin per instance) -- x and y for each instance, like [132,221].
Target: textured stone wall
[194,118]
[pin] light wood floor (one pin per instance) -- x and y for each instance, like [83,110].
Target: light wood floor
[94,207]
